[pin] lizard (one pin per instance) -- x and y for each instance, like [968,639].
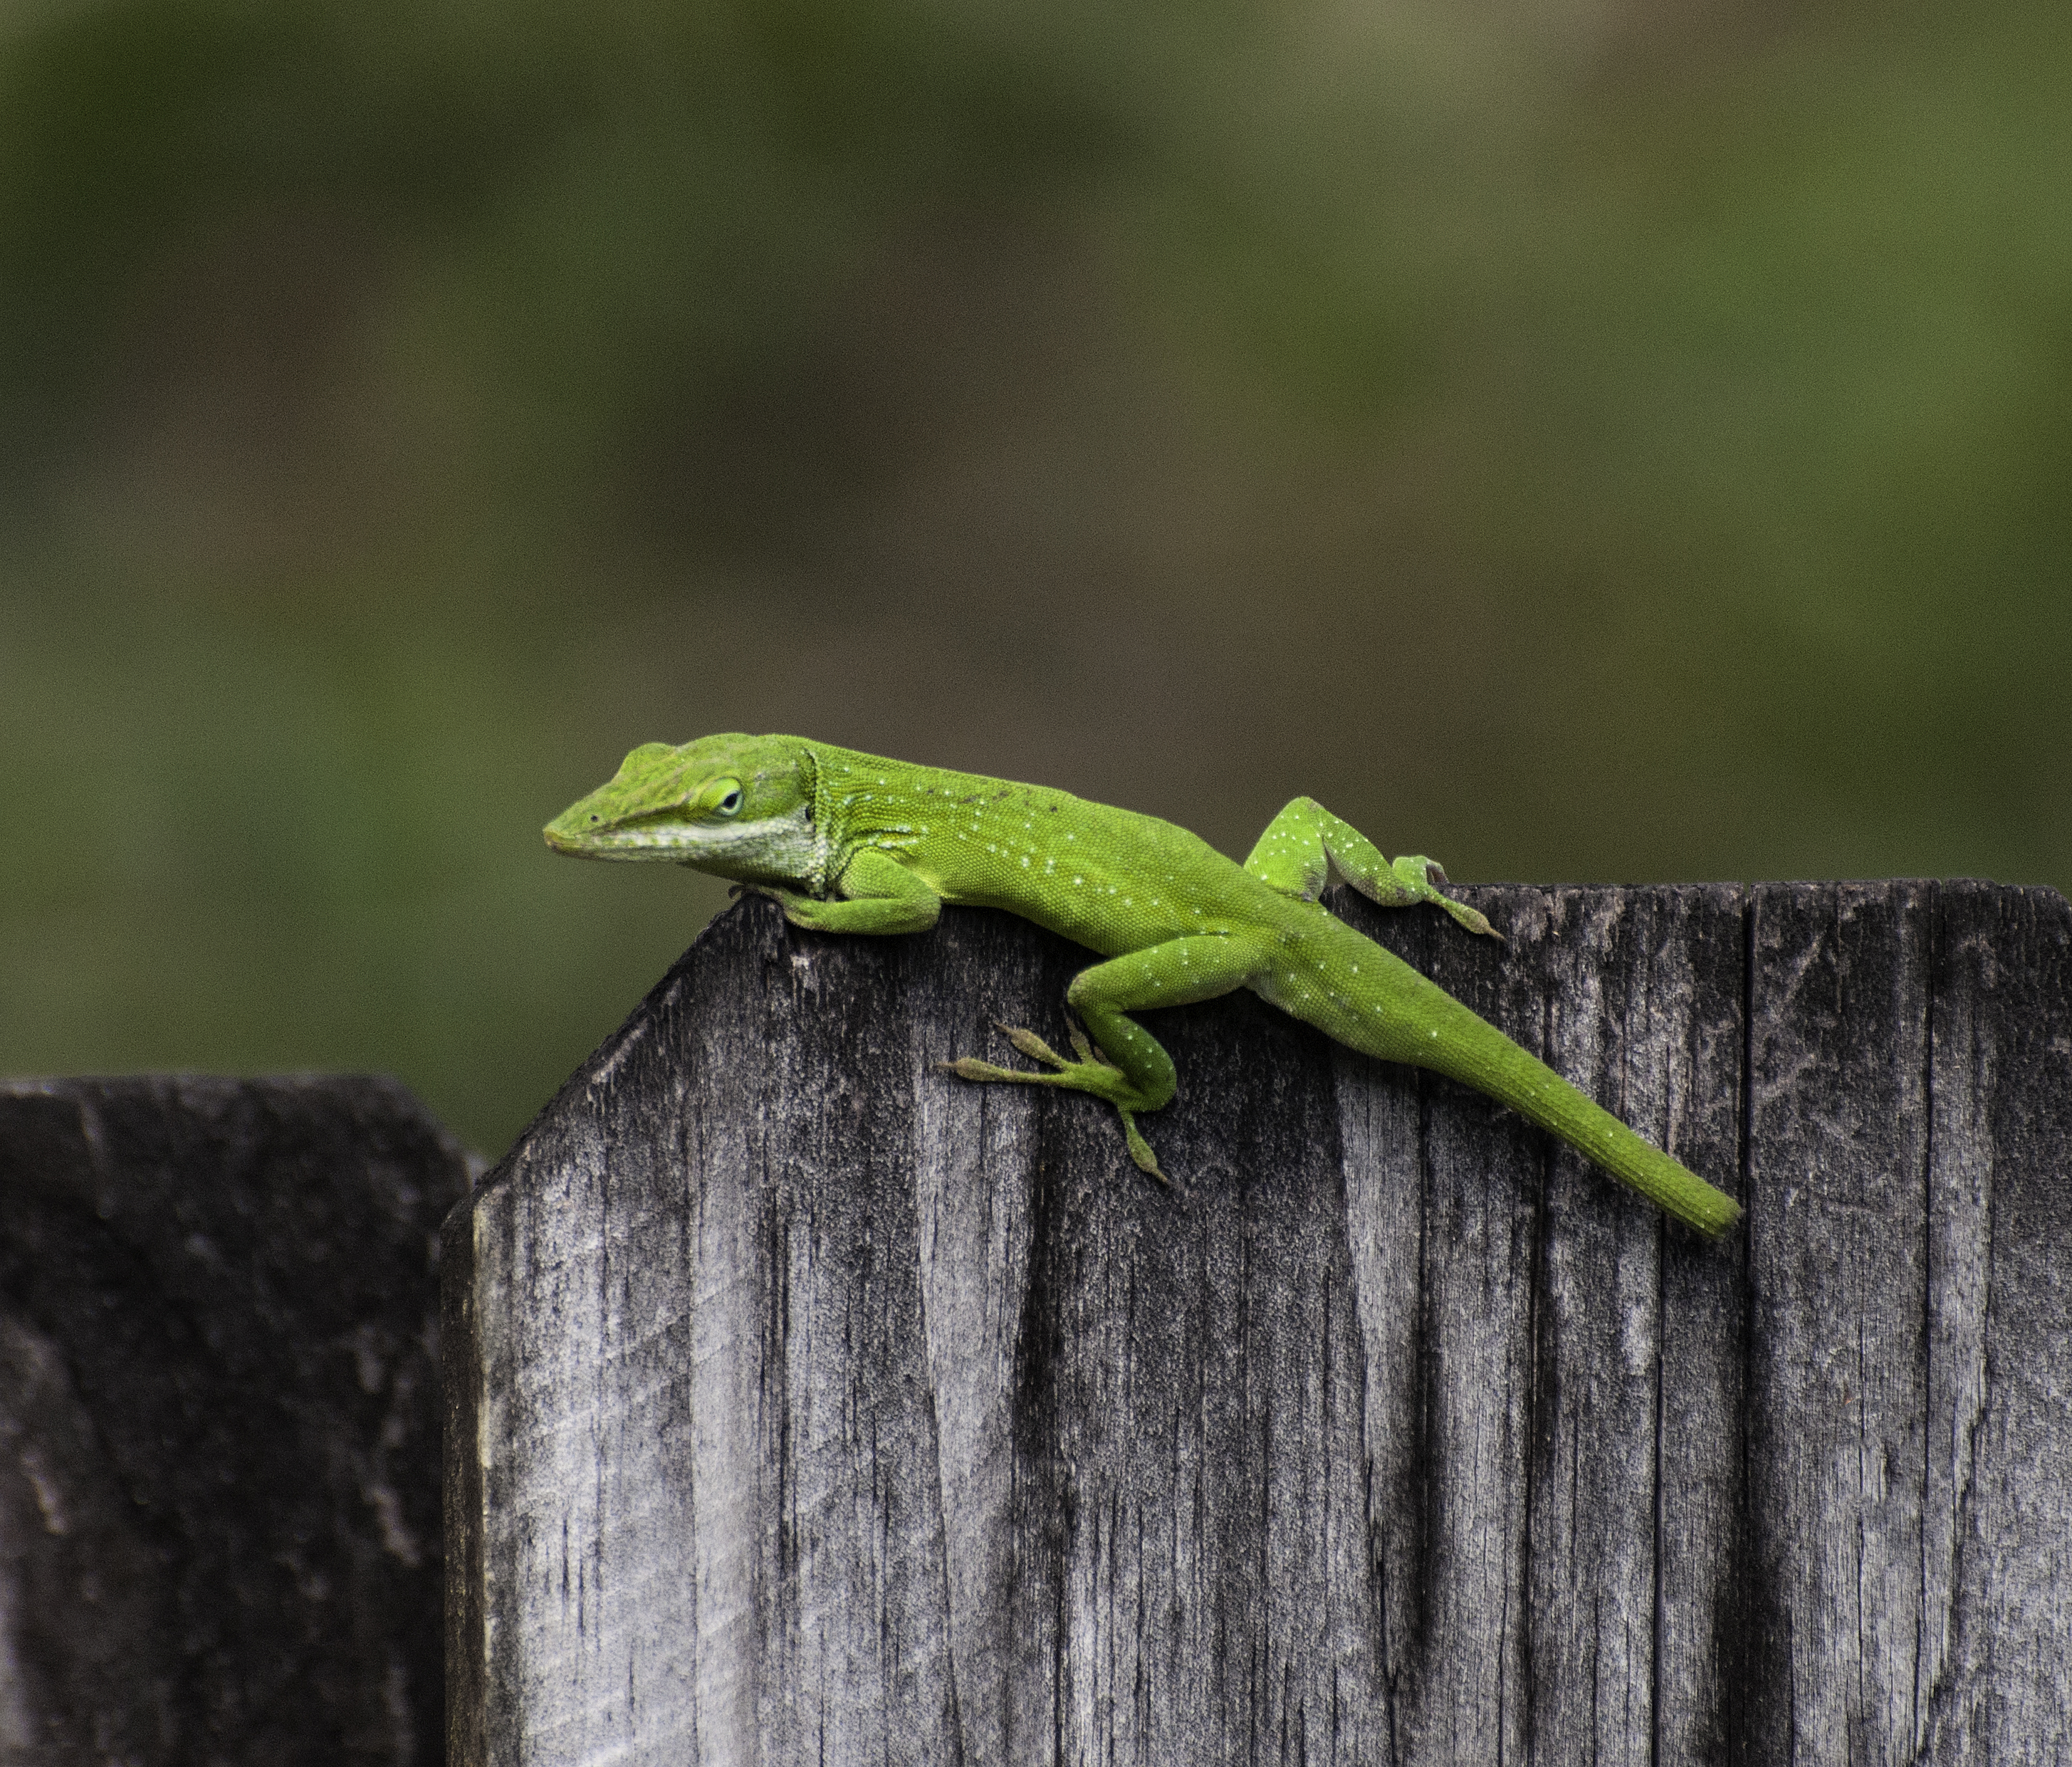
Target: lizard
[847,842]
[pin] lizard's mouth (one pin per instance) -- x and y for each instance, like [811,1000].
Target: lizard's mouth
[781,847]
[665,830]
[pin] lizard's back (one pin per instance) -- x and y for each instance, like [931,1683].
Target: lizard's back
[1112,880]
[1116,880]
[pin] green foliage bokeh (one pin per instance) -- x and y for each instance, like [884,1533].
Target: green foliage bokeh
[1579,444]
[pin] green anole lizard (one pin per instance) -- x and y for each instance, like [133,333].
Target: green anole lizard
[854,843]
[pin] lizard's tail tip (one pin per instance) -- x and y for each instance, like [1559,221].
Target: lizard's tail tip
[1719,1219]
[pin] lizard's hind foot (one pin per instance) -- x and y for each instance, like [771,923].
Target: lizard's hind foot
[1093,1072]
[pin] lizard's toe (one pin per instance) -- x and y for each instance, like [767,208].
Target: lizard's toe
[1032,1045]
[970,1067]
[1140,1150]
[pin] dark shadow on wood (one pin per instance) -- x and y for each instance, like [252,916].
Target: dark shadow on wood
[219,1418]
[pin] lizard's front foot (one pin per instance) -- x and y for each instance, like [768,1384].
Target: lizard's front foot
[1093,1072]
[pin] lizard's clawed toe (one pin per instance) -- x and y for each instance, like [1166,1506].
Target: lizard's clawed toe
[1140,1151]
[970,1067]
[1032,1045]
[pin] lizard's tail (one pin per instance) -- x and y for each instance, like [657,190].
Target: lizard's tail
[1418,1022]
[1481,1055]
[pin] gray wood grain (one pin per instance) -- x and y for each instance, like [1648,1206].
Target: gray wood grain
[806,1404]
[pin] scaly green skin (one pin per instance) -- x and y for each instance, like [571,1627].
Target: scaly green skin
[853,843]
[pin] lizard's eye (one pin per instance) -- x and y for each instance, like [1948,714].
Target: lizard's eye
[730,804]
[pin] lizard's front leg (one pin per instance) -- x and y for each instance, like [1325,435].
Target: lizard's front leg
[1124,1063]
[878,895]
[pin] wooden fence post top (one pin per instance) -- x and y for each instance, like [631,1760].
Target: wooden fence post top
[805,1403]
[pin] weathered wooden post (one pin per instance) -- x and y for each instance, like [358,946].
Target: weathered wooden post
[219,1418]
[808,1405]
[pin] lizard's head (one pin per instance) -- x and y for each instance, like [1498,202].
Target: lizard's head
[736,805]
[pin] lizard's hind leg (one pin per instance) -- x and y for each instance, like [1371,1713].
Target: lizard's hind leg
[1124,1062]
[1305,848]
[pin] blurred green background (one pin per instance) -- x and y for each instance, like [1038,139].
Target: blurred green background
[1580,439]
